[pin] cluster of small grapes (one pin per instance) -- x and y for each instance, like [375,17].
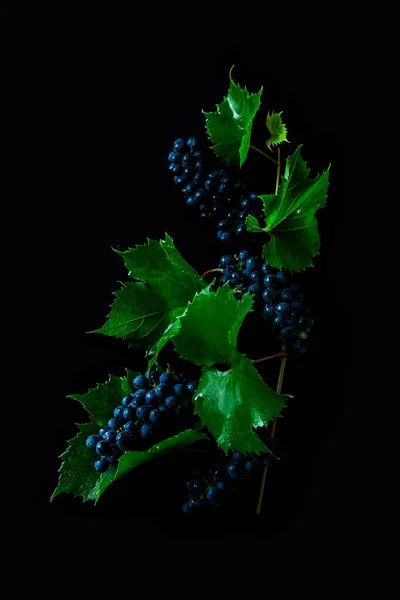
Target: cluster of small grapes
[234,224]
[212,193]
[221,481]
[160,404]
[279,300]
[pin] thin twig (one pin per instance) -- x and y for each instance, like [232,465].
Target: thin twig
[278,171]
[263,153]
[258,360]
[212,271]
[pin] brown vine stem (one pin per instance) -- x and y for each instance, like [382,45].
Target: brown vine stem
[263,153]
[278,171]
[272,431]
[212,271]
[258,360]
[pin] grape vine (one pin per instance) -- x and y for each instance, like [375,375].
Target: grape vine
[228,408]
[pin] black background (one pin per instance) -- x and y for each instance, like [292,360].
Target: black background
[102,96]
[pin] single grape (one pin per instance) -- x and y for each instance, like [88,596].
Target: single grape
[225,260]
[174,157]
[123,440]
[225,237]
[165,377]
[270,280]
[269,310]
[129,413]
[179,145]
[110,436]
[268,295]
[198,178]
[282,308]
[171,401]
[142,412]
[136,402]
[103,448]
[191,387]
[213,494]
[189,189]
[255,288]
[180,390]
[180,179]
[154,416]
[237,457]
[232,471]
[176,169]
[130,427]
[140,382]
[162,390]
[113,423]
[279,321]
[126,400]
[192,143]
[253,263]
[152,399]
[101,465]
[256,276]
[92,441]
[146,430]
[118,412]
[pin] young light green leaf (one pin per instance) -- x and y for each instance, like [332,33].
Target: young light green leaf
[277,130]
[210,325]
[146,308]
[290,216]
[229,127]
[252,225]
[77,473]
[233,403]
[101,400]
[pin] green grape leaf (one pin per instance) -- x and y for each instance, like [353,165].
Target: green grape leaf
[169,333]
[134,458]
[231,404]
[290,216]
[146,308]
[101,400]
[77,473]
[229,127]
[277,130]
[210,325]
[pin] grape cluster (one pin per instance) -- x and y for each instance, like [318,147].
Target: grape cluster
[279,300]
[211,193]
[160,404]
[222,479]
[234,224]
